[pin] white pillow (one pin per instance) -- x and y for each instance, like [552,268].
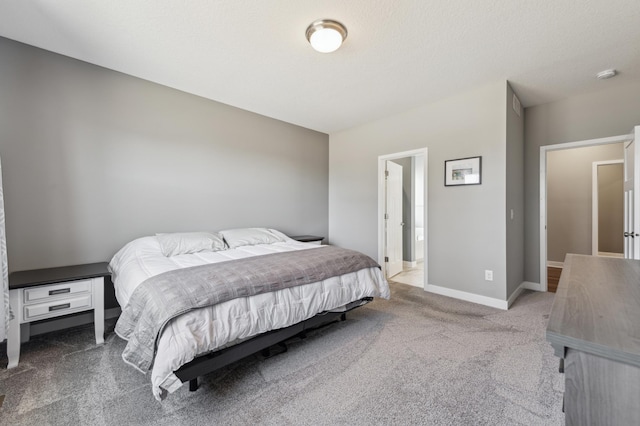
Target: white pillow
[189,242]
[250,237]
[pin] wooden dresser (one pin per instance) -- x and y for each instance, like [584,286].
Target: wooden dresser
[594,327]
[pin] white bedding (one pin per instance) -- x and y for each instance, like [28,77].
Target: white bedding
[207,329]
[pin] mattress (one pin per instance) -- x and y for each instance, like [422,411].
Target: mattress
[211,328]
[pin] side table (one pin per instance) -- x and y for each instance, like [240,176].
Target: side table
[47,293]
[308,239]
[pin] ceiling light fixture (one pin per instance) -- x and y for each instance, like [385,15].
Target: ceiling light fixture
[326,35]
[603,75]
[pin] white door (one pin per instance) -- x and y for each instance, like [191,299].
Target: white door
[631,200]
[4,273]
[393,218]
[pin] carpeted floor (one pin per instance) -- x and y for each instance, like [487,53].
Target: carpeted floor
[419,358]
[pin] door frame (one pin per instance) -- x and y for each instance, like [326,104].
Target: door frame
[422,152]
[594,202]
[543,190]
[635,199]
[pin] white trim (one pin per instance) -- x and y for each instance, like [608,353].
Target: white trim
[484,300]
[554,264]
[469,297]
[543,191]
[607,254]
[594,201]
[515,295]
[409,265]
[423,152]
[528,285]
[525,285]
[636,199]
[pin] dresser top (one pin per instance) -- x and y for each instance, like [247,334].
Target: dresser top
[21,279]
[597,308]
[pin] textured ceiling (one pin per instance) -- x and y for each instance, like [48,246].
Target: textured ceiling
[399,54]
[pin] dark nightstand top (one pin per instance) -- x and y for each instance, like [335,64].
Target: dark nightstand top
[306,238]
[21,279]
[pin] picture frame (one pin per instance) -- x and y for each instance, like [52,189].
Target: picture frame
[463,171]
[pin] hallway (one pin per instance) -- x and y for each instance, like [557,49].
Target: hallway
[412,276]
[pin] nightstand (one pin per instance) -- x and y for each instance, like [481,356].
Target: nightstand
[313,239]
[47,293]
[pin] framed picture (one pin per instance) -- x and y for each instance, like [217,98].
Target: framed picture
[463,171]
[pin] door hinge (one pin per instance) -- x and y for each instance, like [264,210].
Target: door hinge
[386,215]
[386,173]
[386,259]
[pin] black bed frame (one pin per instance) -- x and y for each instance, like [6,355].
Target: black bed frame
[213,361]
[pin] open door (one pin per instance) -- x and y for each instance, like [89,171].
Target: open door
[631,200]
[5,315]
[393,218]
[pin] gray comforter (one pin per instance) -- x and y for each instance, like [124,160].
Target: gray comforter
[163,297]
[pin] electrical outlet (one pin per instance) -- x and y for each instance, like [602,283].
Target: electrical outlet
[488,275]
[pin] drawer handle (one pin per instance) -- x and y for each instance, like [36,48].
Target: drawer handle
[59,291]
[58,307]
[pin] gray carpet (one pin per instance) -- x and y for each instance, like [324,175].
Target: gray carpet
[419,358]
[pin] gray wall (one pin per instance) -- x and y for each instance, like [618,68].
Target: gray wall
[514,195]
[605,113]
[610,208]
[466,224]
[569,198]
[93,158]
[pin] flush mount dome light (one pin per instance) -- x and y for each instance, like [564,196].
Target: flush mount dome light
[326,35]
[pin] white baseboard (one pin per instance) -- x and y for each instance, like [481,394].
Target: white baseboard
[554,264]
[607,254]
[469,297]
[484,300]
[528,285]
[525,285]
[408,265]
[515,295]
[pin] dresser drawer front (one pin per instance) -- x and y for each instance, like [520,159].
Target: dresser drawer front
[54,291]
[58,307]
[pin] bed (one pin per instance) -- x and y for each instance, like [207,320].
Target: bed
[192,302]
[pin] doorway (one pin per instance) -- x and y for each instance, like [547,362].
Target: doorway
[402,216]
[544,193]
[607,215]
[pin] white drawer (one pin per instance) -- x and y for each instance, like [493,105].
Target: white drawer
[55,291]
[54,308]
